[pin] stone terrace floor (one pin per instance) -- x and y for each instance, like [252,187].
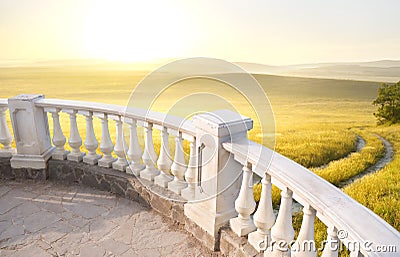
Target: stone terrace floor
[49,219]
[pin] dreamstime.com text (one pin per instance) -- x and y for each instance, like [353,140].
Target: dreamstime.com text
[333,245]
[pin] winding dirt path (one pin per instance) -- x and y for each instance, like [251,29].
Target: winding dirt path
[387,157]
[360,144]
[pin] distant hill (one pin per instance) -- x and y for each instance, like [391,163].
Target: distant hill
[381,71]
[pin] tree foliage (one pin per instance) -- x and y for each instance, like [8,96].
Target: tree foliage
[388,102]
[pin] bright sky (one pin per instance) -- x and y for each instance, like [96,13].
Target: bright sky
[271,32]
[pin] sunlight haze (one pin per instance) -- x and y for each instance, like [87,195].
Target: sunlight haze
[271,32]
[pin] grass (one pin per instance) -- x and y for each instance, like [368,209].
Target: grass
[317,148]
[381,191]
[336,171]
[342,170]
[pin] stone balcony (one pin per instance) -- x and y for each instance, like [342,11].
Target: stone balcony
[53,219]
[208,196]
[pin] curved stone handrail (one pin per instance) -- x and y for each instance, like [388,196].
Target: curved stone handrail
[161,119]
[3,102]
[333,207]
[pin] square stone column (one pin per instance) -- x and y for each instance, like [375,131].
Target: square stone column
[31,133]
[220,183]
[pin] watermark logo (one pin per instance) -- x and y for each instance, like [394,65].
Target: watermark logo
[333,245]
[173,96]
[342,234]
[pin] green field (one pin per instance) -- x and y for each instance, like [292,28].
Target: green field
[317,121]
[313,116]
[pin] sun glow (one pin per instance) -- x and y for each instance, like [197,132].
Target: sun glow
[126,30]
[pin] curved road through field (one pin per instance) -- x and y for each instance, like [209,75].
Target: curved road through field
[387,157]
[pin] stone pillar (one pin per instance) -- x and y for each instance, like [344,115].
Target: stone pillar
[32,137]
[220,178]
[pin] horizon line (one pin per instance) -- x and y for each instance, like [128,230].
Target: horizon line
[33,61]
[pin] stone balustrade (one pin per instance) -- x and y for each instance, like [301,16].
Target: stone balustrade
[216,181]
[128,157]
[362,230]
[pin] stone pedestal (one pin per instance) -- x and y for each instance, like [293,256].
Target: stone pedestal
[219,187]
[31,133]
[242,226]
[149,173]
[177,186]
[89,159]
[121,166]
[62,156]
[134,169]
[162,180]
[106,162]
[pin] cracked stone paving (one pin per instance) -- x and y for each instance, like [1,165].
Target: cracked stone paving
[50,219]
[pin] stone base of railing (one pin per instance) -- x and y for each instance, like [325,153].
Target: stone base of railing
[212,243]
[5,168]
[120,183]
[232,245]
[20,173]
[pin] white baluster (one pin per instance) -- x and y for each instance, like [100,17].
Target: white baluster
[164,161]
[5,135]
[119,148]
[106,145]
[191,172]
[178,167]
[91,143]
[282,232]
[264,217]
[149,156]
[331,248]
[305,245]
[59,139]
[75,140]
[134,152]
[244,205]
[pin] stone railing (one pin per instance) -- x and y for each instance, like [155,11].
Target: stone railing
[365,233]
[216,181]
[30,125]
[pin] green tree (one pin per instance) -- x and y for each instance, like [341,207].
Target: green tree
[388,102]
